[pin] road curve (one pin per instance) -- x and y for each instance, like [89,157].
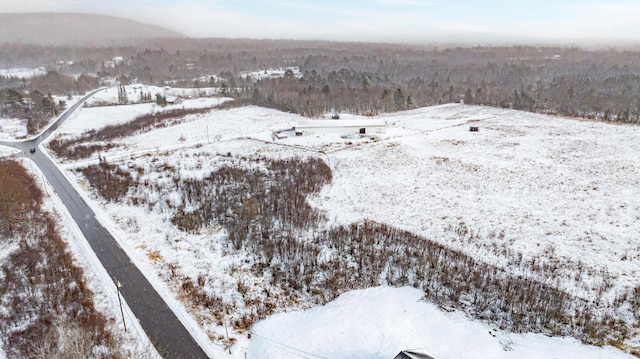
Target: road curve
[162,326]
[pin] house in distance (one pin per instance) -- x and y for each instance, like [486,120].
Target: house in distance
[341,127]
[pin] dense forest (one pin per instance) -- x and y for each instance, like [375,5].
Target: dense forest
[348,77]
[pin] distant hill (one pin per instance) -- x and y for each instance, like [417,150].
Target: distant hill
[76,29]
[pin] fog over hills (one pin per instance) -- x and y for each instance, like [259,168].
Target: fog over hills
[75,29]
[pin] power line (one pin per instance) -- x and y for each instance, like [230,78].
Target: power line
[295,351]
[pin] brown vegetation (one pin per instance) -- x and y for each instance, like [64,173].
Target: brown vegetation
[109,180]
[359,78]
[48,309]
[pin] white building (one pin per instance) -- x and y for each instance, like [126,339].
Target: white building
[341,127]
[10,127]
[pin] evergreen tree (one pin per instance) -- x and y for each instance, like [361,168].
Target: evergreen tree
[468,97]
[399,98]
[160,100]
[123,99]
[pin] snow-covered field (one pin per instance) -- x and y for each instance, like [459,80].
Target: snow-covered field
[530,184]
[99,117]
[23,73]
[524,187]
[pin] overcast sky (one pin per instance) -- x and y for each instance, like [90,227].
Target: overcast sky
[372,20]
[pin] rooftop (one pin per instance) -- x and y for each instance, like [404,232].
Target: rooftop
[341,123]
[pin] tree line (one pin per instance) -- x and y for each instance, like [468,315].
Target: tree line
[593,85]
[598,84]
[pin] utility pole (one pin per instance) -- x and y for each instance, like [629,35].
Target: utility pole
[118,285]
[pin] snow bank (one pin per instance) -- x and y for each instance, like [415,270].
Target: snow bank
[7,151]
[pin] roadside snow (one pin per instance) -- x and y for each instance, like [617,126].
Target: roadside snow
[105,297]
[95,118]
[378,323]
[7,151]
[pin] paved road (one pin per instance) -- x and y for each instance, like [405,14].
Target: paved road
[169,336]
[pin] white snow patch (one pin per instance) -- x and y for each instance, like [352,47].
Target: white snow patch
[7,151]
[12,128]
[271,73]
[378,323]
[96,118]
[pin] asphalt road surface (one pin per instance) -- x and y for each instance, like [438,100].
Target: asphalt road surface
[166,332]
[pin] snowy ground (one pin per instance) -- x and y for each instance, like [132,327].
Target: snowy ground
[526,186]
[7,151]
[11,128]
[23,73]
[99,117]
[377,323]
[555,188]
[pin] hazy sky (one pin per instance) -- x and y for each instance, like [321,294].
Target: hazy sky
[372,20]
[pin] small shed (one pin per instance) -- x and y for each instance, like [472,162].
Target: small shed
[173,100]
[341,127]
[412,354]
